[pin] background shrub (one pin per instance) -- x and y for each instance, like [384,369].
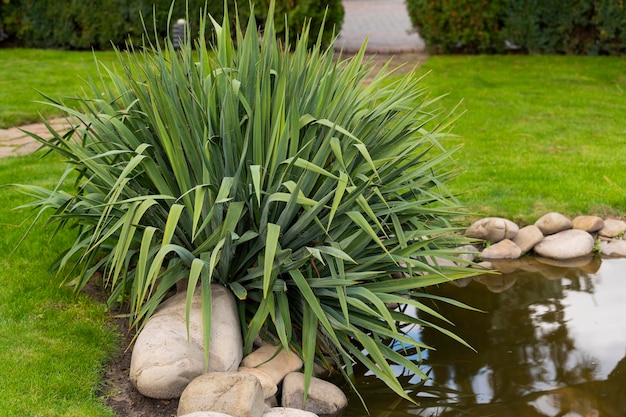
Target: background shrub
[72,24]
[467,26]
[584,27]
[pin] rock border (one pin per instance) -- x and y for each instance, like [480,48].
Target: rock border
[553,236]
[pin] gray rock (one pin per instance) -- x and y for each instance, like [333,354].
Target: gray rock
[235,393]
[275,365]
[588,223]
[551,223]
[492,229]
[567,244]
[614,248]
[438,262]
[505,249]
[323,397]
[613,228]
[164,360]
[288,412]
[528,237]
[467,254]
[205,414]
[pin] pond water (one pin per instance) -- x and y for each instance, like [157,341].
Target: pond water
[550,342]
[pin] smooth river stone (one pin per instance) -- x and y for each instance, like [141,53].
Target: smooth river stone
[567,244]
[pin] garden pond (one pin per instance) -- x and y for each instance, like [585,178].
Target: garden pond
[550,342]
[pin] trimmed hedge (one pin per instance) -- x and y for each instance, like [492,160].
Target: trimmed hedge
[455,26]
[97,24]
[584,27]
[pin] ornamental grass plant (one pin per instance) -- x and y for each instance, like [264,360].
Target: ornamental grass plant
[317,197]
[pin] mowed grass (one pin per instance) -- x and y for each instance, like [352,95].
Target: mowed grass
[26,72]
[53,345]
[538,133]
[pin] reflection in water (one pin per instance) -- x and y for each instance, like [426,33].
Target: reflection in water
[551,342]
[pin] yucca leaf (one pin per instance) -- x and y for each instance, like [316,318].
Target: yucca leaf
[271,244]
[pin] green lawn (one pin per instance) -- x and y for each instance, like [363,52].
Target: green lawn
[539,133]
[58,74]
[53,345]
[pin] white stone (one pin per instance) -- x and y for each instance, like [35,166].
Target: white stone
[205,414]
[613,228]
[267,382]
[288,412]
[164,360]
[567,244]
[274,364]
[551,223]
[492,229]
[528,237]
[235,393]
[588,223]
[614,248]
[323,397]
[505,249]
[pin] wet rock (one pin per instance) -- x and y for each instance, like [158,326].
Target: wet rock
[484,265]
[567,244]
[507,266]
[496,283]
[275,365]
[528,237]
[235,393]
[505,249]
[588,223]
[288,412]
[551,223]
[492,229]
[461,282]
[614,248]
[323,397]
[613,228]
[575,263]
[164,360]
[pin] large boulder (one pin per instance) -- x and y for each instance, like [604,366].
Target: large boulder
[323,397]
[492,229]
[236,393]
[551,223]
[567,244]
[164,360]
[505,249]
[274,361]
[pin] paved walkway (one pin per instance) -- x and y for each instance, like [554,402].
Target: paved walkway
[14,141]
[385,23]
